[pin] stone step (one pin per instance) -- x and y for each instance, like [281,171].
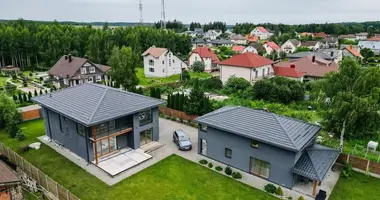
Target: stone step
[152,146]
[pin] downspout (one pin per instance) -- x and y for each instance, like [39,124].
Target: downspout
[48,119]
[86,137]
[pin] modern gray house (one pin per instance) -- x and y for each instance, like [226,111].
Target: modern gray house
[93,120]
[276,148]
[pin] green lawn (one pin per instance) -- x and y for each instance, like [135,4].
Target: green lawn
[2,81]
[145,81]
[172,178]
[356,187]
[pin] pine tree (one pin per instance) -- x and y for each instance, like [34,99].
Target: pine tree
[30,97]
[158,93]
[172,101]
[20,98]
[152,91]
[46,91]
[169,99]
[193,106]
[25,97]
[41,92]
[14,98]
[176,101]
[35,93]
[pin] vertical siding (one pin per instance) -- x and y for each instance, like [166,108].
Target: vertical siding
[281,161]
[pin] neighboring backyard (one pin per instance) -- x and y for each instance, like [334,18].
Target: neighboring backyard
[358,186]
[172,178]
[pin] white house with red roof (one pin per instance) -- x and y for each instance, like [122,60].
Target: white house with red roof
[289,72]
[250,66]
[271,47]
[207,56]
[161,62]
[262,33]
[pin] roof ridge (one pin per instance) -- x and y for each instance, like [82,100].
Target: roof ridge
[312,163]
[97,106]
[286,132]
[220,112]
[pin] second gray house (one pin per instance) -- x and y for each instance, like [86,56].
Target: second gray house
[277,148]
[93,120]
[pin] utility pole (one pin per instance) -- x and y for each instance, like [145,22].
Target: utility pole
[163,23]
[141,12]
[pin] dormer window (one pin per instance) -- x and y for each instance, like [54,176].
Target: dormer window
[83,70]
[92,69]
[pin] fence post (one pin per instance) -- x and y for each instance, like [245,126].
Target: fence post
[367,165]
[38,176]
[56,187]
[67,195]
[47,183]
[348,158]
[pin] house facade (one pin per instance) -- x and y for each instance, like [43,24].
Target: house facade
[99,121]
[161,62]
[290,46]
[239,39]
[271,47]
[262,33]
[361,36]
[250,66]
[205,55]
[373,45]
[276,148]
[221,43]
[72,71]
[312,45]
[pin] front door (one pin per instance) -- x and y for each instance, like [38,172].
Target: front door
[106,146]
[146,136]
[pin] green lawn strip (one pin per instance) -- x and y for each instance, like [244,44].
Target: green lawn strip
[358,186]
[3,80]
[171,178]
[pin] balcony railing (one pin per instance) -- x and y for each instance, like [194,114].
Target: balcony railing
[115,131]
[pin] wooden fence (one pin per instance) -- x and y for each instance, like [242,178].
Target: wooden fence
[54,189]
[176,113]
[360,163]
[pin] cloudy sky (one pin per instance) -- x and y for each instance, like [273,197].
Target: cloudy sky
[275,11]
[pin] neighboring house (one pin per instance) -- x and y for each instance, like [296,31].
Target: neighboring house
[221,43]
[349,51]
[290,46]
[207,56]
[327,54]
[262,33]
[94,120]
[199,32]
[254,48]
[276,148]
[198,42]
[212,34]
[71,71]
[238,49]
[330,42]
[374,39]
[305,34]
[361,36]
[252,38]
[161,62]
[271,47]
[312,45]
[10,70]
[190,33]
[313,67]
[289,72]
[10,183]
[320,34]
[239,39]
[351,37]
[249,66]
[373,45]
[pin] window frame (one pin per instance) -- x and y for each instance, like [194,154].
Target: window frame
[254,145]
[98,78]
[92,79]
[84,130]
[151,62]
[83,70]
[148,121]
[203,127]
[260,163]
[92,71]
[151,69]
[226,150]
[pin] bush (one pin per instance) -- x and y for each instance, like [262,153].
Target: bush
[20,136]
[236,85]
[301,198]
[236,175]
[198,66]
[24,148]
[290,198]
[270,188]
[218,168]
[12,131]
[279,191]
[203,162]
[371,59]
[347,170]
[210,165]
[186,75]
[228,170]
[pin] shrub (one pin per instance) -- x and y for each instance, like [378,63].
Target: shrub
[301,198]
[30,74]
[20,136]
[218,168]
[198,66]
[24,148]
[228,170]
[279,191]
[236,175]
[203,162]
[173,118]
[235,85]
[186,75]
[347,170]
[270,188]
[290,198]
[210,165]
[13,130]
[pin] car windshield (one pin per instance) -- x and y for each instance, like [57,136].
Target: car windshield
[183,138]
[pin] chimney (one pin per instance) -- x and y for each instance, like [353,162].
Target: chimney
[70,58]
[350,46]
[332,54]
[293,66]
[313,59]
[66,57]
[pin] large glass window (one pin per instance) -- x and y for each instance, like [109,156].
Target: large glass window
[80,130]
[145,117]
[260,167]
[146,136]
[105,129]
[228,152]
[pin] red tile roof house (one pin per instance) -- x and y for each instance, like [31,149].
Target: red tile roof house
[271,46]
[349,51]
[320,34]
[289,72]
[314,67]
[71,71]
[261,32]
[252,39]
[238,49]
[249,66]
[205,55]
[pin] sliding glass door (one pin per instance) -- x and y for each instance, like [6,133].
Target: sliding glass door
[146,136]
[259,167]
[106,146]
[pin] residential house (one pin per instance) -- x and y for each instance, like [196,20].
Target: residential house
[252,38]
[373,45]
[207,56]
[238,49]
[374,39]
[330,42]
[190,33]
[212,34]
[334,55]
[271,47]
[10,183]
[304,34]
[10,70]
[198,42]
[254,48]
[249,66]
[199,32]
[351,37]
[289,72]
[312,45]
[94,121]
[239,39]
[221,43]
[314,67]
[361,36]
[262,33]
[276,148]
[70,71]
[349,51]
[161,62]
[290,46]
[320,35]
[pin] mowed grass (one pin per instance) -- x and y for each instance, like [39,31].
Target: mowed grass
[171,178]
[356,187]
[149,81]
[3,80]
